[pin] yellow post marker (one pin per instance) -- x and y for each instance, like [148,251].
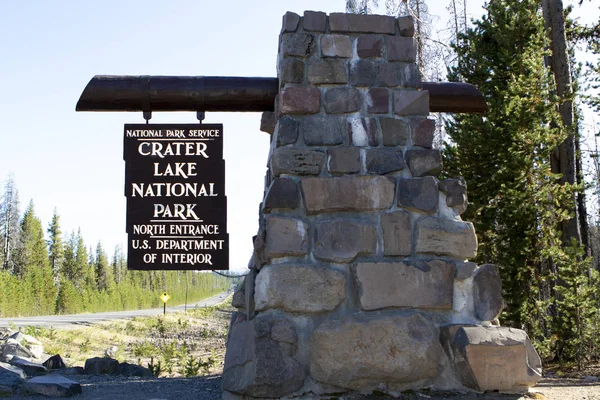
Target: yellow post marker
[165,297]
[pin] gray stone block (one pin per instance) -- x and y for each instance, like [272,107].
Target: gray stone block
[446,237]
[11,379]
[464,270]
[282,194]
[341,22]
[399,74]
[347,193]
[127,369]
[420,194]
[456,193]
[423,130]
[336,46]
[401,49]
[291,70]
[516,364]
[378,101]
[397,237]
[300,100]
[340,240]
[383,160]
[267,122]
[363,131]
[290,22]
[286,237]
[285,160]
[286,131]
[100,365]
[411,102]
[297,45]
[369,46]
[314,21]
[363,73]
[259,365]
[30,368]
[406,26]
[53,385]
[394,131]
[423,285]
[299,288]
[487,292]
[327,71]
[409,346]
[344,160]
[324,130]
[424,162]
[342,100]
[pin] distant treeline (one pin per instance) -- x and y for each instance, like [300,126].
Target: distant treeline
[60,274]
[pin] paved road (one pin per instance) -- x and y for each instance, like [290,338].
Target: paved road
[64,321]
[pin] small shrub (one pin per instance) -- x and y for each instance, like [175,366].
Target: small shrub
[156,369]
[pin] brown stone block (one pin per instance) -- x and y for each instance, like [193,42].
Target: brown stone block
[396,233]
[300,100]
[286,237]
[267,122]
[344,160]
[286,160]
[383,160]
[420,194]
[456,193]
[487,292]
[291,70]
[347,193]
[356,23]
[282,194]
[401,49]
[342,100]
[297,45]
[423,130]
[314,21]
[341,240]
[330,70]
[363,73]
[290,22]
[336,46]
[411,102]
[362,353]
[394,131]
[406,26]
[363,131]
[399,74]
[369,46]
[378,101]
[446,237]
[286,131]
[424,162]
[324,130]
[299,288]
[427,285]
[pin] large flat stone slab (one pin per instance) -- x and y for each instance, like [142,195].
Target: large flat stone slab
[11,378]
[354,193]
[299,288]
[427,285]
[447,237]
[53,385]
[361,353]
[493,358]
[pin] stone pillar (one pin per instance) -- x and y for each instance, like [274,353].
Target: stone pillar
[359,279]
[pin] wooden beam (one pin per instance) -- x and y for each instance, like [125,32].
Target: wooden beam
[219,93]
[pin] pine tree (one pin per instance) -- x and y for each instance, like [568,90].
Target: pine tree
[55,246]
[515,200]
[9,224]
[101,268]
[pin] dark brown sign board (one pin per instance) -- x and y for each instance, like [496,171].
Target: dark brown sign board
[176,203]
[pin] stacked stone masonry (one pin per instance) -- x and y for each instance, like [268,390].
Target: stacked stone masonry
[360,278]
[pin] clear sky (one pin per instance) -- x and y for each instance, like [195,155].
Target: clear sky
[49,50]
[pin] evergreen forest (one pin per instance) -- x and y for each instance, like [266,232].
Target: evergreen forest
[45,272]
[531,162]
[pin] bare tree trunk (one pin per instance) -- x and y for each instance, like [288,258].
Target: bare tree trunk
[564,160]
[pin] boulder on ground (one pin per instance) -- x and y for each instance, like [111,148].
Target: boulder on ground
[30,368]
[492,358]
[111,351]
[101,365]
[127,369]
[11,378]
[52,385]
[67,371]
[54,362]
[13,348]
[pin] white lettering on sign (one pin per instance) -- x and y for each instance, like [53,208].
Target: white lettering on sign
[163,150]
[192,259]
[181,211]
[183,170]
[172,190]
